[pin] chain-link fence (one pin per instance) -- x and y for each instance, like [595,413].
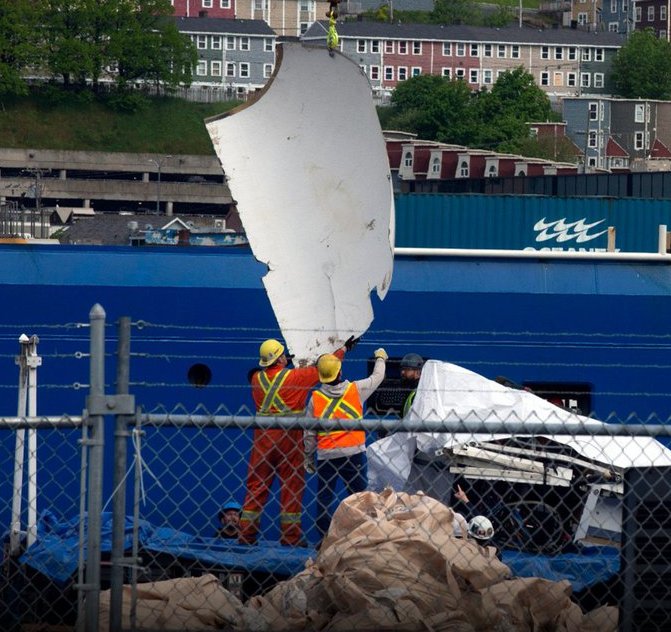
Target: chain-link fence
[508,517]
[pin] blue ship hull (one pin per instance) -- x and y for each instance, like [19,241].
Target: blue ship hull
[600,324]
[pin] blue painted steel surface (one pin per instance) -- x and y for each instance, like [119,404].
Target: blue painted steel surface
[528,222]
[595,322]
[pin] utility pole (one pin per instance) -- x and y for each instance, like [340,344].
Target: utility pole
[520,12]
[158,164]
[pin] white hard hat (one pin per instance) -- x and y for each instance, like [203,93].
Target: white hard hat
[480,528]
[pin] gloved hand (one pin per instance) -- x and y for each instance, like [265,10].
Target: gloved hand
[381,353]
[309,464]
[351,342]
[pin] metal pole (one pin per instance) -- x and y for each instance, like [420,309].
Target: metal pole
[33,361]
[95,479]
[121,435]
[19,450]
[158,187]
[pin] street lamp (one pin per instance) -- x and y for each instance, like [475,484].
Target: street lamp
[158,164]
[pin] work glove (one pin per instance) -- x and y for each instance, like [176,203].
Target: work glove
[309,464]
[351,342]
[381,353]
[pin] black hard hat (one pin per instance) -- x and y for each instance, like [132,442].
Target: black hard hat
[412,361]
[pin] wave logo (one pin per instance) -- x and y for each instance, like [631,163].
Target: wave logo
[562,231]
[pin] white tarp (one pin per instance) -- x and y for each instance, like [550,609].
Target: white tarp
[308,168]
[448,392]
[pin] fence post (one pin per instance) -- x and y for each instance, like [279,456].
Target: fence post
[95,478]
[121,435]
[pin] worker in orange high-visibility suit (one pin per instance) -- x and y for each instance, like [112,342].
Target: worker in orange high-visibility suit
[278,391]
[341,454]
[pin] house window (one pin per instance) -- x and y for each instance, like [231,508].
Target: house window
[463,169]
[558,78]
[207,4]
[361,46]
[559,53]
[230,69]
[515,51]
[268,45]
[571,79]
[447,49]
[586,54]
[584,80]
[230,42]
[215,68]
[201,68]
[402,73]
[591,161]
[662,34]
[545,78]
[487,77]
[598,54]
[639,112]
[572,53]
[651,14]
[258,5]
[224,4]
[305,5]
[403,48]
[613,27]
[474,75]
[501,50]
[201,42]
[492,171]
[244,69]
[389,73]
[304,26]
[435,166]
[375,73]
[475,50]
[598,80]
[613,6]
[375,46]
[267,71]
[244,43]
[638,13]
[662,12]
[638,140]
[407,159]
[461,50]
[216,42]
[545,52]
[447,73]
[487,50]
[582,18]
[388,46]
[416,71]
[460,73]
[593,109]
[417,48]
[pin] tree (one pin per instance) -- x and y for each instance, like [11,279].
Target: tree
[642,67]
[85,38]
[514,101]
[18,49]
[456,12]
[433,107]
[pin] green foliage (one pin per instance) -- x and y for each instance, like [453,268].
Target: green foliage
[18,19]
[438,109]
[642,67]
[128,101]
[165,125]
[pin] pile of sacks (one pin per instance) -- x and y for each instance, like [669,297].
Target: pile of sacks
[390,561]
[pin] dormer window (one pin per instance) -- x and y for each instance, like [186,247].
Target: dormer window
[435,166]
[463,169]
[407,159]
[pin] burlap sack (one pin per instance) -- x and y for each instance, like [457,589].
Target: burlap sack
[195,603]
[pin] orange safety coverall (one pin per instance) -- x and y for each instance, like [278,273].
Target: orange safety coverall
[278,451]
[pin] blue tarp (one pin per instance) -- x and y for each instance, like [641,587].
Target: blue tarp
[55,553]
[588,566]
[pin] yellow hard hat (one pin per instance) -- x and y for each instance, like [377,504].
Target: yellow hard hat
[269,351]
[328,366]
